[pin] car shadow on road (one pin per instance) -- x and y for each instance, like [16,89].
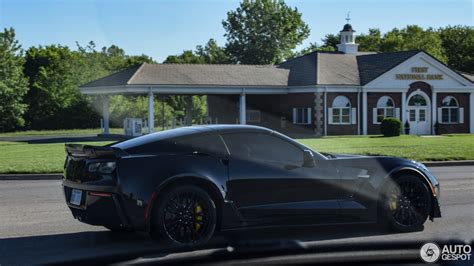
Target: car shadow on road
[76,246]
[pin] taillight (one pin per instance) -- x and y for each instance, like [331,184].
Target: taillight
[101,167]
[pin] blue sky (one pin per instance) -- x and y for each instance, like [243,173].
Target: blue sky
[161,28]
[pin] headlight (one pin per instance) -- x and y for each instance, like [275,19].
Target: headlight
[102,167]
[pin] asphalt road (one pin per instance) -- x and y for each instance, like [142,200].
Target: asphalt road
[37,227]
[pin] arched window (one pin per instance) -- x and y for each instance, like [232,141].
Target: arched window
[385,108]
[417,100]
[449,110]
[341,110]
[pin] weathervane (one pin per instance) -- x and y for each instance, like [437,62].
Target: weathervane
[348,18]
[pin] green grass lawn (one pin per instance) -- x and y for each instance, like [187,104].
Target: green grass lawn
[20,157]
[431,148]
[88,131]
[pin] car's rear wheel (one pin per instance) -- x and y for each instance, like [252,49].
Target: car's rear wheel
[406,203]
[184,215]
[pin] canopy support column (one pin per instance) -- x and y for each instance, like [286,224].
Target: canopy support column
[242,109]
[151,112]
[189,110]
[105,114]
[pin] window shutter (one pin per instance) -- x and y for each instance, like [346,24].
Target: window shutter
[330,116]
[461,115]
[374,116]
[397,113]
[309,116]
[294,115]
[354,116]
[440,116]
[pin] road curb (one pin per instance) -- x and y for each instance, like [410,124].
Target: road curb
[58,176]
[449,163]
[54,176]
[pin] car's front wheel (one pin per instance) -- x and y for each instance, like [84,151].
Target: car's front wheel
[184,215]
[406,203]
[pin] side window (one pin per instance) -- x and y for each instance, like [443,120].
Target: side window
[261,146]
[209,144]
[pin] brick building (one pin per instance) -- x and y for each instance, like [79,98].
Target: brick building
[321,93]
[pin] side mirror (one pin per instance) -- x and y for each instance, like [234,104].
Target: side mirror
[308,159]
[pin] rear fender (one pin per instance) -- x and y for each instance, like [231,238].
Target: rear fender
[205,182]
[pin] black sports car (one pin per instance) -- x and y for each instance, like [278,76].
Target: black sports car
[182,185]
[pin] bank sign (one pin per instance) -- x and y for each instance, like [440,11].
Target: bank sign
[419,73]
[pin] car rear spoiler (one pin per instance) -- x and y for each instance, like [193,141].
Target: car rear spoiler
[89,151]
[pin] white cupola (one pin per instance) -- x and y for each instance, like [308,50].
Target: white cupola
[347,45]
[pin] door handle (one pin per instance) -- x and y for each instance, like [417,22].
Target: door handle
[225,161]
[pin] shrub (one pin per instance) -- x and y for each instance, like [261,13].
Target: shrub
[391,127]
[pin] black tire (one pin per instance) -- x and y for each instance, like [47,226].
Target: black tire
[405,204]
[184,215]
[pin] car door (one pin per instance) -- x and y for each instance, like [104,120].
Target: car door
[267,180]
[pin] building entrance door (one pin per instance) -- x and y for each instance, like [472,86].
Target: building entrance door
[419,114]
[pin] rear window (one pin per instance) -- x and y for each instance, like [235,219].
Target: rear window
[208,144]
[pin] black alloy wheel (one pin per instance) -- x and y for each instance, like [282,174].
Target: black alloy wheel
[184,216]
[407,203]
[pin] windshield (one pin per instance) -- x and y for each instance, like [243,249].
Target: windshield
[260,131]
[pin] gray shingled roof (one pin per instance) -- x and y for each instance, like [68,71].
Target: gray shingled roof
[198,75]
[374,65]
[316,68]
[337,69]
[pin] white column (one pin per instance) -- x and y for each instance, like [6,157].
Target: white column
[151,112]
[404,109]
[364,112]
[325,113]
[358,113]
[433,111]
[189,110]
[242,109]
[105,114]
[471,112]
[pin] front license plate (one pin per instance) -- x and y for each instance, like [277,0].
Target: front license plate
[76,196]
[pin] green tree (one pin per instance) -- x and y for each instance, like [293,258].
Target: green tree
[212,53]
[458,44]
[55,73]
[187,57]
[331,40]
[13,84]
[370,42]
[263,31]
[414,37]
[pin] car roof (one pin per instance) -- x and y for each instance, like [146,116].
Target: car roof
[187,131]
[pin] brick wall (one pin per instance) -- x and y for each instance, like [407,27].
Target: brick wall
[276,110]
[342,129]
[372,99]
[463,100]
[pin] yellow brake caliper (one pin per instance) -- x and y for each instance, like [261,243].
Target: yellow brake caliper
[393,202]
[198,215]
